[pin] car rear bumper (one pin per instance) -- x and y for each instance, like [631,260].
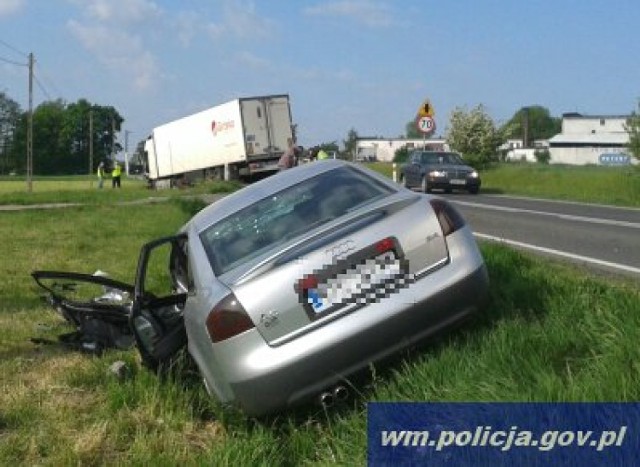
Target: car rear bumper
[263,379]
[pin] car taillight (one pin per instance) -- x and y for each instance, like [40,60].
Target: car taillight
[449,218]
[227,319]
[385,245]
[309,282]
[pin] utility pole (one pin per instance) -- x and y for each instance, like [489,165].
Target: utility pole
[126,151]
[91,148]
[525,127]
[30,129]
[113,139]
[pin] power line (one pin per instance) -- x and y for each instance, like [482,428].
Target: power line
[38,82]
[6,60]
[46,78]
[41,87]
[9,46]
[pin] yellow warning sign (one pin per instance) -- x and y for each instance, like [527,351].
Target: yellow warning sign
[426,109]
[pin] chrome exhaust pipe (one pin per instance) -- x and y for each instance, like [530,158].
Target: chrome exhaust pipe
[326,399]
[340,393]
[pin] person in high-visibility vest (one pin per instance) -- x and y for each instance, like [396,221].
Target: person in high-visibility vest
[322,154]
[100,174]
[115,176]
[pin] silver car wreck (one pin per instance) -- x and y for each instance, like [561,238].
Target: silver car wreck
[287,287]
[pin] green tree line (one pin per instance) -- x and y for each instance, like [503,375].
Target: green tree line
[62,135]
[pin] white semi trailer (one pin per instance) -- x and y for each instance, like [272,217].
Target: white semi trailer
[242,137]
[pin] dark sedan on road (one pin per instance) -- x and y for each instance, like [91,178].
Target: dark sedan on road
[447,171]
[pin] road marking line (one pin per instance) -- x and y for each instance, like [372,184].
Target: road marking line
[563,201]
[569,217]
[551,251]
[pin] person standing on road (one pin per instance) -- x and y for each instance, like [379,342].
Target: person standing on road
[100,174]
[288,158]
[115,176]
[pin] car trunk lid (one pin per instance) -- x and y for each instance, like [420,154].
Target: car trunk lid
[308,284]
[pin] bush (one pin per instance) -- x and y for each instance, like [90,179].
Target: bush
[401,155]
[543,156]
[478,161]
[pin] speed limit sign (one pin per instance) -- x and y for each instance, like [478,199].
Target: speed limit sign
[426,124]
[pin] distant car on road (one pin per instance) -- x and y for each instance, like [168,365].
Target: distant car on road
[429,170]
[284,289]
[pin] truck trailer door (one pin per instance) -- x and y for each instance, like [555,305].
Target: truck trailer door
[267,123]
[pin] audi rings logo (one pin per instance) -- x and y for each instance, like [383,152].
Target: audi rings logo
[341,250]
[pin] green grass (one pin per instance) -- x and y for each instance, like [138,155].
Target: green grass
[605,185]
[550,333]
[83,189]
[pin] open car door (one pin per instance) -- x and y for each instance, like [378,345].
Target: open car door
[162,284]
[96,305]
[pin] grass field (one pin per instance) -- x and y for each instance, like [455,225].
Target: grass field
[604,185]
[550,333]
[83,189]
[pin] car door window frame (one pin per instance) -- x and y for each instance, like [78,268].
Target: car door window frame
[163,340]
[140,294]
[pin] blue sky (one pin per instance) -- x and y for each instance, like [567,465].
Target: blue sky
[358,64]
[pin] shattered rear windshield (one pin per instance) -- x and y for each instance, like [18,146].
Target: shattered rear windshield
[289,213]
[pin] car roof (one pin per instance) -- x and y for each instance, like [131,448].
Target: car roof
[262,189]
[420,151]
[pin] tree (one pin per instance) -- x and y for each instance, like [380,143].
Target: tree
[474,135]
[331,146]
[47,139]
[411,130]
[9,120]
[350,143]
[49,145]
[536,119]
[633,129]
[61,136]
[401,155]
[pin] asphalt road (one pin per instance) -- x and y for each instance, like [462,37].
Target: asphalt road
[596,236]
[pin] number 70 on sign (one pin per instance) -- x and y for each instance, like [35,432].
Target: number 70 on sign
[426,125]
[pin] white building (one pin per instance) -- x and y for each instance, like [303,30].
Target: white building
[380,149]
[514,150]
[595,139]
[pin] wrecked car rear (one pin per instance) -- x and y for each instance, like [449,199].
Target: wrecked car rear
[283,290]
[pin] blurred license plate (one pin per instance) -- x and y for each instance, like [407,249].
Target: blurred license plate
[457,181]
[355,283]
